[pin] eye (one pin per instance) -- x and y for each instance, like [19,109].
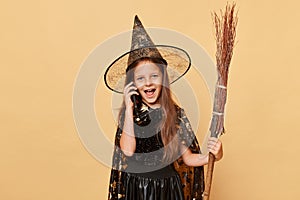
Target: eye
[154,75]
[140,78]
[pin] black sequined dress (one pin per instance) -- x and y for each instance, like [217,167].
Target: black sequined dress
[144,176]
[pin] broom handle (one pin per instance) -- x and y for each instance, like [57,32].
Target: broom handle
[210,169]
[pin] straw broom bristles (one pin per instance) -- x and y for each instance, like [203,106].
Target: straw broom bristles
[225,39]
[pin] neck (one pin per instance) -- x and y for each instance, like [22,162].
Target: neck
[153,105]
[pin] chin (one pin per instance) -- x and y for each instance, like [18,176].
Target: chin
[151,101]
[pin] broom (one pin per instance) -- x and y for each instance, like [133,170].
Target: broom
[225,26]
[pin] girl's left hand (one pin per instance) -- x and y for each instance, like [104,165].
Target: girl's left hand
[214,146]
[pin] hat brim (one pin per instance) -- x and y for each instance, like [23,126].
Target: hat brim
[179,62]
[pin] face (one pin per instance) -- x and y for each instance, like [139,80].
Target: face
[148,80]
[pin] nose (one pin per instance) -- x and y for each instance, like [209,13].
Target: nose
[148,81]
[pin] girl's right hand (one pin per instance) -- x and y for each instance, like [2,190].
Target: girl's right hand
[129,90]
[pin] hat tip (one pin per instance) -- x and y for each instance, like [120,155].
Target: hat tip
[137,20]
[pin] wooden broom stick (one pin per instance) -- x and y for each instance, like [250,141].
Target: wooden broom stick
[225,26]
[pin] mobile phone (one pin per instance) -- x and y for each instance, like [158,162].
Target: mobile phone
[140,114]
[137,101]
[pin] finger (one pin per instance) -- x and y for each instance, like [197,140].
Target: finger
[129,89]
[129,94]
[213,139]
[215,144]
[127,86]
[212,150]
[212,144]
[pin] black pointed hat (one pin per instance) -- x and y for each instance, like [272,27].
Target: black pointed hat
[177,60]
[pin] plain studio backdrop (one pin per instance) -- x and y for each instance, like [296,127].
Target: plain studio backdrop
[44,43]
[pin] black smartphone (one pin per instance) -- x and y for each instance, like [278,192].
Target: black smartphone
[137,101]
[140,111]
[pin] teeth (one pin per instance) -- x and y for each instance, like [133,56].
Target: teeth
[150,90]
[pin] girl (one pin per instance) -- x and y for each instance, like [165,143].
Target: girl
[156,153]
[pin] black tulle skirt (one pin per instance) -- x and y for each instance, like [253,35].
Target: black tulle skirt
[149,188]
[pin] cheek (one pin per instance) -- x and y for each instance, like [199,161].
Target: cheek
[140,90]
[158,81]
[138,85]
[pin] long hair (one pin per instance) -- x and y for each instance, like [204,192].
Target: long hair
[168,127]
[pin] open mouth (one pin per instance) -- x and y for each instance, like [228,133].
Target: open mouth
[149,92]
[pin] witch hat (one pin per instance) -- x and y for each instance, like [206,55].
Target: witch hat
[177,60]
[141,44]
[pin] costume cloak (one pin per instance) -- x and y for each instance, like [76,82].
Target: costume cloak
[192,178]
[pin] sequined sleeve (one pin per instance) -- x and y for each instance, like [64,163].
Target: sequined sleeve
[119,164]
[192,178]
[186,134]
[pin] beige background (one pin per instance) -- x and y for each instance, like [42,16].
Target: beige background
[43,44]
